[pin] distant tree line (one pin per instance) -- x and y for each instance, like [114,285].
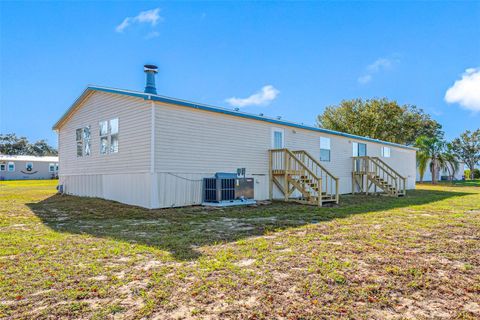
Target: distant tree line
[10,144]
[379,119]
[405,124]
[442,155]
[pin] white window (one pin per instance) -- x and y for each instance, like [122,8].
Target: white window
[86,141]
[278,140]
[51,167]
[11,166]
[78,134]
[109,136]
[359,149]
[3,167]
[386,152]
[83,141]
[324,149]
[29,166]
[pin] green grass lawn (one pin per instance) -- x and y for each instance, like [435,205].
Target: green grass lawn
[369,257]
[468,183]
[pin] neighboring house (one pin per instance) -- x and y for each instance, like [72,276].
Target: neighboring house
[28,167]
[153,151]
[442,174]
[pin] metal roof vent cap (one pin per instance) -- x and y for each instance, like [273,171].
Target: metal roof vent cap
[150,71]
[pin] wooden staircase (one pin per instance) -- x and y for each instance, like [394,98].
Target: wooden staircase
[373,175]
[292,171]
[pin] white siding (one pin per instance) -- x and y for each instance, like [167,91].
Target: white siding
[134,136]
[40,170]
[122,176]
[183,189]
[189,144]
[199,143]
[133,189]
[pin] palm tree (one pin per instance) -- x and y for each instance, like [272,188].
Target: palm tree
[452,163]
[422,161]
[431,149]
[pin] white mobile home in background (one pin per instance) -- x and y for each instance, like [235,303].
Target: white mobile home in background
[28,167]
[443,174]
[144,149]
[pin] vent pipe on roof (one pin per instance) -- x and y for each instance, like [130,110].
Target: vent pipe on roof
[150,71]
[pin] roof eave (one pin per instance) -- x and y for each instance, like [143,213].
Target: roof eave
[67,113]
[185,103]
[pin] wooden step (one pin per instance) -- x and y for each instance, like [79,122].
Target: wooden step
[300,170]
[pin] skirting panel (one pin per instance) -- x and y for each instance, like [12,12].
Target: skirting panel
[133,189]
[185,189]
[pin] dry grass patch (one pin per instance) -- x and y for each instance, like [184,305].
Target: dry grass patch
[381,258]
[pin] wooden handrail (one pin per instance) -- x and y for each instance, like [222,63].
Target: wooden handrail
[305,173]
[386,165]
[317,163]
[297,160]
[301,164]
[377,171]
[331,182]
[388,173]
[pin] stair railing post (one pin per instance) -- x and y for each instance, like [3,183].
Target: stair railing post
[353,175]
[319,194]
[336,191]
[396,185]
[286,184]
[270,169]
[367,169]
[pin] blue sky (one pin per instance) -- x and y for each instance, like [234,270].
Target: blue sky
[289,59]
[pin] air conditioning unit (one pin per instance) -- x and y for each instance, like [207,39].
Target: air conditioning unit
[228,189]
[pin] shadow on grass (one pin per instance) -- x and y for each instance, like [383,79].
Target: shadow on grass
[181,230]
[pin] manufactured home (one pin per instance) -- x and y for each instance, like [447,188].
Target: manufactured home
[28,167]
[443,174]
[149,150]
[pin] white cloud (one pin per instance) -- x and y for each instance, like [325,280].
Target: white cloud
[261,98]
[466,91]
[151,17]
[381,64]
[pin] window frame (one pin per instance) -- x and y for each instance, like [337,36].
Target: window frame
[324,149]
[385,155]
[83,141]
[79,141]
[50,167]
[355,150]
[87,141]
[109,136]
[4,165]
[11,164]
[279,130]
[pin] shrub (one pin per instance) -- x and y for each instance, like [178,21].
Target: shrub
[476,174]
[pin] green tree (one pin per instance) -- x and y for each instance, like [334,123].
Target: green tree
[379,119]
[431,153]
[452,163]
[10,144]
[467,149]
[41,148]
